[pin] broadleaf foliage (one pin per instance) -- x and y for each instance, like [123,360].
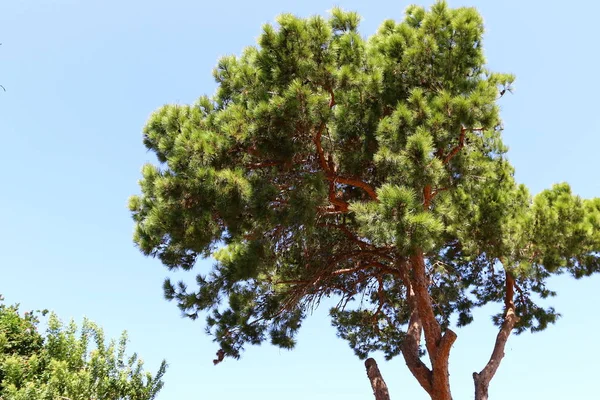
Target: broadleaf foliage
[67,362]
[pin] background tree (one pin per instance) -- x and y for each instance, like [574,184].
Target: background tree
[62,365]
[372,171]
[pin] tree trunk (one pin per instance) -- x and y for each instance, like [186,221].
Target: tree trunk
[380,389]
[438,342]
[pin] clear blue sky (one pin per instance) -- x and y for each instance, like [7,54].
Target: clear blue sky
[82,77]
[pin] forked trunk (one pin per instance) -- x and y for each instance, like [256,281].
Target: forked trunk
[434,380]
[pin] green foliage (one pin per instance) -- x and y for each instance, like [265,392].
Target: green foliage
[68,363]
[326,160]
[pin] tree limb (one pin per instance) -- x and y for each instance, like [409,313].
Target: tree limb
[431,327]
[380,389]
[483,378]
[438,346]
[410,352]
[329,169]
[412,341]
[460,145]
[441,376]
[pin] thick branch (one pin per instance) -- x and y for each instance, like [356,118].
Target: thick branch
[381,297]
[330,172]
[339,204]
[443,352]
[320,151]
[354,182]
[483,378]
[460,145]
[380,389]
[412,341]
[438,346]
[441,376]
[332,97]
[329,169]
[427,197]
[431,327]
[410,351]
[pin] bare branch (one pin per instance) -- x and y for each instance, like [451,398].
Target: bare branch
[380,389]
[483,378]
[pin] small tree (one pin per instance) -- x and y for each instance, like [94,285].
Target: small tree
[369,170]
[60,365]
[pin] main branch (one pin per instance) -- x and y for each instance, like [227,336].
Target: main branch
[431,327]
[483,378]
[329,169]
[438,345]
[412,341]
[380,389]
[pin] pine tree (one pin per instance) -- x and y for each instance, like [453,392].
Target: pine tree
[67,362]
[329,165]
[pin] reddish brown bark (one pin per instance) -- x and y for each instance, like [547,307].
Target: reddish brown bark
[483,378]
[334,178]
[441,375]
[438,344]
[427,197]
[329,169]
[410,351]
[380,389]
[455,150]
[460,145]
[419,281]
[435,380]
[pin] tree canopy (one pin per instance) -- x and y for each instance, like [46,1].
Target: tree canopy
[67,363]
[369,170]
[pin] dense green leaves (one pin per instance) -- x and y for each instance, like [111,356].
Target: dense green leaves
[325,161]
[68,363]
